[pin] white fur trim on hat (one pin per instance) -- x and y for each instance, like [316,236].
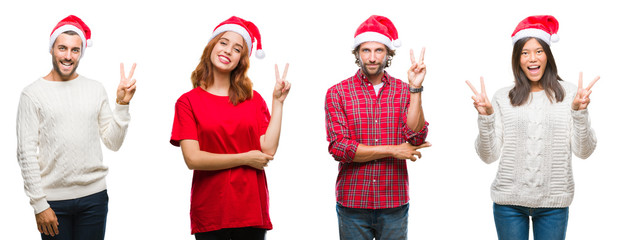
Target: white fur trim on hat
[532,32]
[373,37]
[65,28]
[234,28]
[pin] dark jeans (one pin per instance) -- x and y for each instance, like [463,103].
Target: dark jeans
[81,218]
[247,233]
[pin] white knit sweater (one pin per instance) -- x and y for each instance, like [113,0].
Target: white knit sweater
[58,129]
[534,142]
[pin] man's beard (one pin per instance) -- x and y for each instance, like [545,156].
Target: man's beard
[63,76]
[378,72]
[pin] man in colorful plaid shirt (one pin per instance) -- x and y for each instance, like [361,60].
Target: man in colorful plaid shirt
[374,123]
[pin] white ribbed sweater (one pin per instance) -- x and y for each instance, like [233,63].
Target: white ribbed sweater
[534,143]
[58,129]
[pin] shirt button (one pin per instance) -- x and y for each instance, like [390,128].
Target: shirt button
[374,180]
[376,121]
[376,140]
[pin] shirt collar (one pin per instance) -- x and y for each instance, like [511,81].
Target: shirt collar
[386,78]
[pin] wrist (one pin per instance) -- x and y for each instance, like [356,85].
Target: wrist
[415,89]
[120,102]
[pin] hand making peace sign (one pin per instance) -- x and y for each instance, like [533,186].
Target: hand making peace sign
[581,100]
[481,101]
[282,87]
[416,73]
[126,87]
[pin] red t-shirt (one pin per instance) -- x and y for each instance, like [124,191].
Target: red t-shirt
[230,198]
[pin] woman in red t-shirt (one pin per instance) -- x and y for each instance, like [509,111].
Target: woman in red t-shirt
[227,137]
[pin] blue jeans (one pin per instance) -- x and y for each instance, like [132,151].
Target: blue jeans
[513,222]
[365,224]
[80,218]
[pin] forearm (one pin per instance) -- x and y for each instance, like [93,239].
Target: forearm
[113,126]
[366,153]
[584,140]
[488,145]
[197,159]
[270,140]
[28,153]
[415,118]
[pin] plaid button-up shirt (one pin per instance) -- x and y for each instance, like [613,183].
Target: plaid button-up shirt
[355,115]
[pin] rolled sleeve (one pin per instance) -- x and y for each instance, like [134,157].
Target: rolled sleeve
[416,137]
[340,146]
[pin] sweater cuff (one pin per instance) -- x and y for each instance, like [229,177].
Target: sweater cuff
[579,115]
[486,119]
[121,112]
[40,206]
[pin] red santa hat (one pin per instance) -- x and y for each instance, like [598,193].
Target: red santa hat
[377,29]
[246,29]
[544,27]
[71,23]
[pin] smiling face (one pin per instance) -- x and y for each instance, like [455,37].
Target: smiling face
[227,52]
[533,60]
[65,56]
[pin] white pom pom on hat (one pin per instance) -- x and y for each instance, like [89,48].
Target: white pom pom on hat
[544,27]
[377,29]
[72,23]
[246,29]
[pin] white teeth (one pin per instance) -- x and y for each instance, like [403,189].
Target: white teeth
[533,67]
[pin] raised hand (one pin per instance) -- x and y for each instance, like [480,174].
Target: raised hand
[126,87]
[581,100]
[481,101]
[416,73]
[282,87]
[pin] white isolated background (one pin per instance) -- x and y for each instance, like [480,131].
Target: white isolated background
[149,184]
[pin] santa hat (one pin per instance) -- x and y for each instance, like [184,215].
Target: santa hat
[246,29]
[544,27]
[72,23]
[377,29]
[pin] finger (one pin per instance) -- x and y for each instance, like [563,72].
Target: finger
[420,68]
[476,93]
[288,85]
[55,227]
[46,231]
[483,92]
[277,73]
[122,76]
[586,95]
[131,89]
[285,72]
[39,227]
[580,82]
[424,145]
[593,82]
[132,83]
[132,70]
[412,56]
[421,59]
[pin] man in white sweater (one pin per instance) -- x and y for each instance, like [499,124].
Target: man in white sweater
[60,119]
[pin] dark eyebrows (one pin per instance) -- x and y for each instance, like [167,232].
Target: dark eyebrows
[236,44]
